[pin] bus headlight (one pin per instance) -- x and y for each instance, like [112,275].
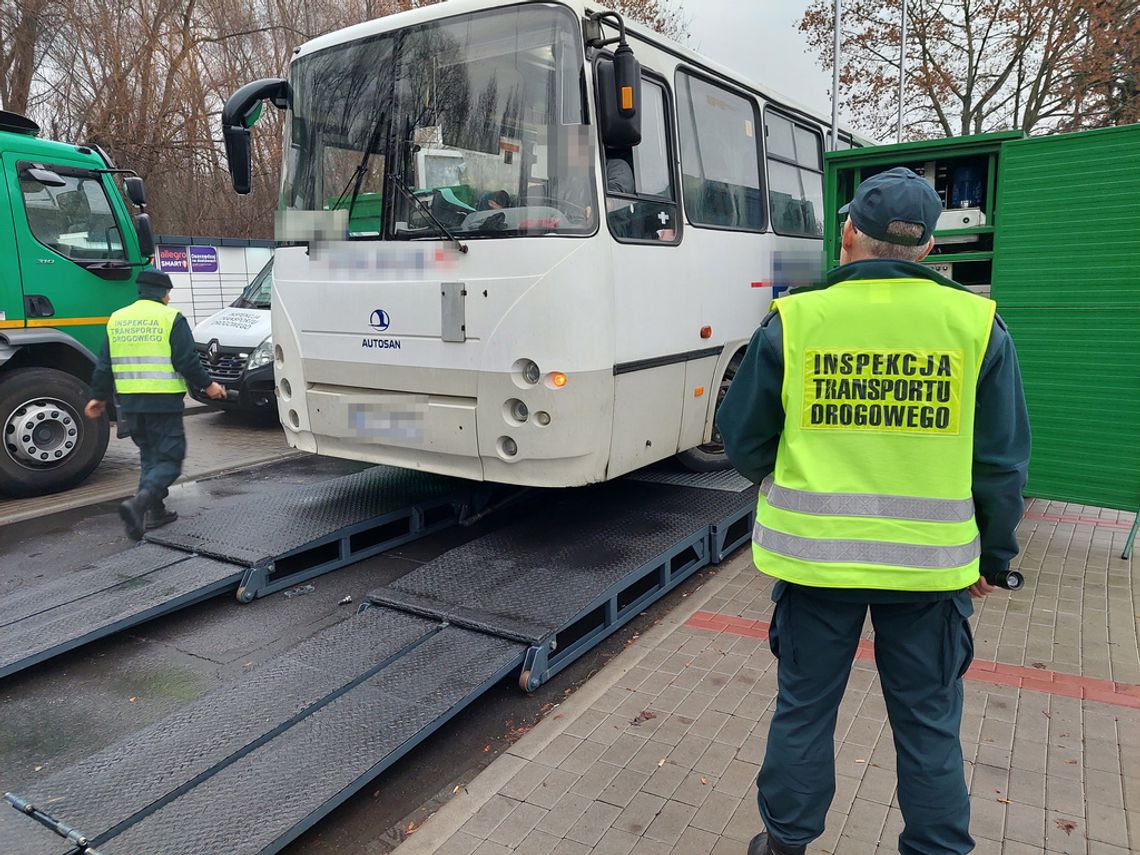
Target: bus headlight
[262,355]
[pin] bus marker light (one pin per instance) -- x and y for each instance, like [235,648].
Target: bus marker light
[627,97]
[700,390]
[558,379]
[706,332]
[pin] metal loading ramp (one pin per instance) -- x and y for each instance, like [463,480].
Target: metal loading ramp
[249,767]
[285,539]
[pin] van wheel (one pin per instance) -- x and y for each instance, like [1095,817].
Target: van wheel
[710,457]
[48,444]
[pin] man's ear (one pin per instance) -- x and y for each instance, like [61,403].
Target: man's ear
[849,232]
[928,250]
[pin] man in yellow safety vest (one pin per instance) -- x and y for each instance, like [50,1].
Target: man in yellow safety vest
[148,359]
[882,415]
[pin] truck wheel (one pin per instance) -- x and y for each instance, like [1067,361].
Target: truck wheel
[710,457]
[48,444]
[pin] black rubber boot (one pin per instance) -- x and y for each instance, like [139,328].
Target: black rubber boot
[158,516]
[762,845]
[133,513]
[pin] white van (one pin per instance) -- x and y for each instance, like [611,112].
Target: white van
[235,347]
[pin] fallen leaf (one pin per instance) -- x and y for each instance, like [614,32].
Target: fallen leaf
[1066,825]
[661,762]
[411,829]
[556,716]
[37,768]
[704,780]
[1071,762]
[486,748]
[1038,665]
[1004,801]
[134,699]
[644,715]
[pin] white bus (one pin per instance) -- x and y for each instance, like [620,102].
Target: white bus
[508,253]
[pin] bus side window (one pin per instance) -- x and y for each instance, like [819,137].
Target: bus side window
[795,176]
[641,200]
[720,156]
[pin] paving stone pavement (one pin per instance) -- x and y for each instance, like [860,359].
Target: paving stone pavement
[215,441]
[658,753]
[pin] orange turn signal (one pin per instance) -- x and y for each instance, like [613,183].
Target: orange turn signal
[557,379]
[700,390]
[627,97]
[706,332]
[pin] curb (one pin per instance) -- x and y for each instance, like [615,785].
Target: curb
[430,836]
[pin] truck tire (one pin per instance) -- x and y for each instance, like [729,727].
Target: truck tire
[710,457]
[47,443]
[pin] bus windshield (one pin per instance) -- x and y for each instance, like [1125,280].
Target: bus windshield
[477,120]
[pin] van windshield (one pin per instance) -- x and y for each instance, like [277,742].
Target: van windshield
[259,292]
[477,118]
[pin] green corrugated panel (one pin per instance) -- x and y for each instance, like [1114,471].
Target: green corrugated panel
[1067,281]
[1081,369]
[1068,220]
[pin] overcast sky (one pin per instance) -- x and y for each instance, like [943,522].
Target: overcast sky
[761,40]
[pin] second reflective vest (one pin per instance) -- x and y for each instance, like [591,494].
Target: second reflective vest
[139,337]
[872,487]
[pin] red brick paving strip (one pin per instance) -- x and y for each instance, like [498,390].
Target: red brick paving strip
[982,670]
[1071,520]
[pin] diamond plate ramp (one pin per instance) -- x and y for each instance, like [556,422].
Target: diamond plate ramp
[272,795]
[140,595]
[103,574]
[298,518]
[140,771]
[533,577]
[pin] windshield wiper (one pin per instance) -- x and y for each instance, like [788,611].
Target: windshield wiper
[357,178]
[444,230]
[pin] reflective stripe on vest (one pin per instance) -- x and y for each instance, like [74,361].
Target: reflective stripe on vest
[139,341]
[867,504]
[872,487]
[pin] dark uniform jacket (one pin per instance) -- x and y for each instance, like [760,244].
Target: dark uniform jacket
[752,416]
[186,363]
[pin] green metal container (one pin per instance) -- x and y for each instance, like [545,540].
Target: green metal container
[1055,240]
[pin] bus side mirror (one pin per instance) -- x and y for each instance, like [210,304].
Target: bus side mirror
[619,98]
[241,113]
[136,190]
[145,232]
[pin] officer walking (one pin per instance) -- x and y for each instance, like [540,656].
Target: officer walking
[148,359]
[882,413]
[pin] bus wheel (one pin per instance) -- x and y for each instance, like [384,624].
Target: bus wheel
[48,444]
[710,457]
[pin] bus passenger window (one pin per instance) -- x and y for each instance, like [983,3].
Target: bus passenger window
[795,177]
[720,156]
[640,197]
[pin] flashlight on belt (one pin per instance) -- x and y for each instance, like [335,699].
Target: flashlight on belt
[1011,580]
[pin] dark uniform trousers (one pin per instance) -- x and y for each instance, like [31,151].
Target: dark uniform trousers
[161,440]
[922,649]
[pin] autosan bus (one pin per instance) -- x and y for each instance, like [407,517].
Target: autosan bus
[510,251]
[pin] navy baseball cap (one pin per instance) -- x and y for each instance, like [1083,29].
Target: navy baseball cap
[152,283]
[897,195]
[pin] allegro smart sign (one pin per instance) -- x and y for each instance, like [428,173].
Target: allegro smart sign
[173,259]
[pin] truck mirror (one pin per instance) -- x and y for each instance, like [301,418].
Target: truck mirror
[619,98]
[136,190]
[44,176]
[239,114]
[145,232]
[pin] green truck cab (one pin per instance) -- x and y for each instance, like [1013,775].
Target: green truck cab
[71,254]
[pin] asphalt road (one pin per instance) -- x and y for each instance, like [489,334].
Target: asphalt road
[63,710]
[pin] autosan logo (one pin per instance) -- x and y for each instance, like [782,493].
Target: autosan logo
[380,320]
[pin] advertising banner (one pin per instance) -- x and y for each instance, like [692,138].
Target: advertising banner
[173,259]
[204,259]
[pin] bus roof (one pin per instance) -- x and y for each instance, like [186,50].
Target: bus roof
[454,8]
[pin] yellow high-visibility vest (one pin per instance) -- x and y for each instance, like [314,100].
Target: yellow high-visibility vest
[872,486]
[139,336]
